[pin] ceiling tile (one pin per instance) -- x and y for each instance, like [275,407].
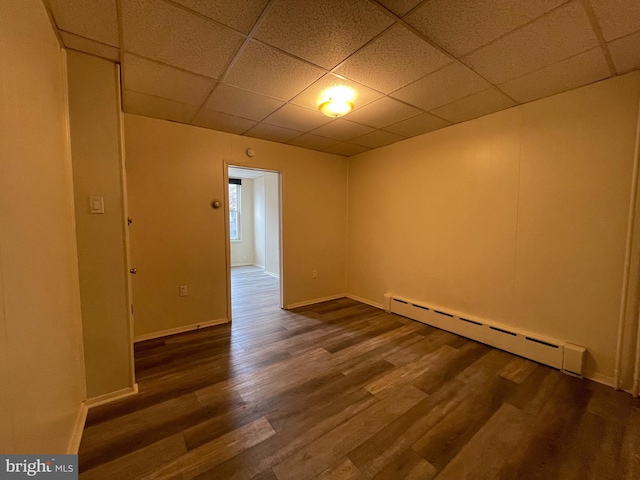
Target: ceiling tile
[145,76]
[573,72]
[394,59]
[169,34]
[451,83]
[240,15]
[323,32]
[625,52]
[377,138]
[554,37]
[382,112]
[315,94]
[269,72]
[342,130]
[149,106]
[241,103]
[92,47]
[314,142]
[417,125]
[273,133]
[399,7]
[617,18]
[297,118]
[222,122]
[474,106]
[461,26]
[94,19]
[346,149]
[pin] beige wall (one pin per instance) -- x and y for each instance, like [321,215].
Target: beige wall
[519,217]
[94,107]
[40,339]
[174,171]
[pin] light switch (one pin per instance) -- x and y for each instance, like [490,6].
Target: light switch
[96,204]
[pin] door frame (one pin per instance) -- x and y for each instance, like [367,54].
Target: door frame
[227,231]
[125,227]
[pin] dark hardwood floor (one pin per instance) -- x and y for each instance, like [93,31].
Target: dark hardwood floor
[342,390]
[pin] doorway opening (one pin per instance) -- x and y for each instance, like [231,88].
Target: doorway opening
[255,265]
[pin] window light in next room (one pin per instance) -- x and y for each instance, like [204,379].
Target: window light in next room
[337,101]
[234,208]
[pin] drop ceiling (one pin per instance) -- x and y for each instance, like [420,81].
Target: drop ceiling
[258,67]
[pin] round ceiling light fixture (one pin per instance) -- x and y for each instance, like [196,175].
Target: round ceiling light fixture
[337,101]
[336,108]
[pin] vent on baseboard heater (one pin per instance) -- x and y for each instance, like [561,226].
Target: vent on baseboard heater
[557,354]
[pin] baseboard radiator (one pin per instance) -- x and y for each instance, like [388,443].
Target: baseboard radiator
[549,351]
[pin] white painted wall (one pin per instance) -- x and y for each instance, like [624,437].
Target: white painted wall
[259,222]
[519,217]
[267,223]
[94,107]
[41,365]
[272,222]
[243,251]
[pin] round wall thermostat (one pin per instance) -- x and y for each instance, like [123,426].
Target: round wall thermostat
[250,152]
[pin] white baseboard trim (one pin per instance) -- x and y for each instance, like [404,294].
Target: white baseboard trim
[364,300]
[112,396]
[173,331]
[78,428]
[314,301]
[257,265]
[242,264]
[272,274]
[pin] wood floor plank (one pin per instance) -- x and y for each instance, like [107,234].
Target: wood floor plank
[139,429]
[536,389]
[293,372]
[537,455]
[443,442]
[194,462]
[415,351]
[393,440]
[383,350]
[342,470]
[350,355]
[263,457]
[407,373]
[256,382]
[485,368]
[139,463]
[290,394]
[329,448]
[447,367]
[629,460]
[310,398]
[407,465]
[518,369]
[488,449]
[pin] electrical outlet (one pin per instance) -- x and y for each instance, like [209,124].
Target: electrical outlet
[183,290]
[314,274]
